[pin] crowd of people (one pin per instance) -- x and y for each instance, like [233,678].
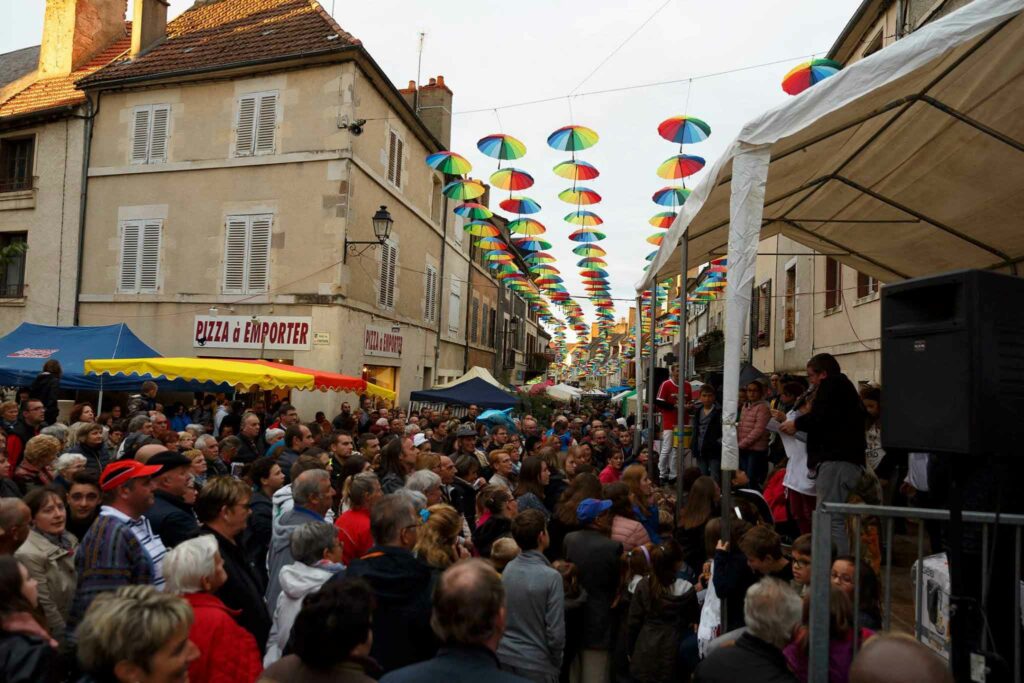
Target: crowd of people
[219,542]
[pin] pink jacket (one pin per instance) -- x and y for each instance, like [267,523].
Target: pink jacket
[629,532]
[751,430]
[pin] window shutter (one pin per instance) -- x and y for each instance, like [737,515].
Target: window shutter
[244,130]
[258,271]
[266,124]
[430,304]
[129,257]
[140,136]
[392,149]
[454,306]
[158,134]
[149,257]
[473,319]
[388,262]
[400,148]
[234,254]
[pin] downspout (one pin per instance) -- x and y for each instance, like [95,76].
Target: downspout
[499,339]
[440,283]
[469,306]
[83,198]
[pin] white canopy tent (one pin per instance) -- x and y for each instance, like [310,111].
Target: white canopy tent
[906,163]
[475,372]
[563,392]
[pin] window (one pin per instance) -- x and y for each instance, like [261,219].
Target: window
[491,327]
[395,149]
[16,163]
[140,256]
[430,295]
[833,283]
[256,126]
[866,285]
[873,46]
[485,319]
[247,254]
[761,313]
[790,331]
[436,201]
[388,268]
[474,316]
[150,126]
[12,273]
[454,306]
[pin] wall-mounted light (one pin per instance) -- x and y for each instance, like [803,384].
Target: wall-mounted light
[382,223]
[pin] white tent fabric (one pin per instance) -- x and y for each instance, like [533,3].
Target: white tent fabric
[563,392]
[905,163]
[475,372]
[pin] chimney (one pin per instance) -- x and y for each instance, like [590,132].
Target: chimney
[75,31]
[409,94]
[435,109]
[149,24]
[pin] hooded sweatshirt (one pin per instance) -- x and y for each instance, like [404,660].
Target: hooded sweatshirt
[297,581]
[280,553]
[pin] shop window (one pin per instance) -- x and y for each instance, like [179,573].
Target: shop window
[833,284]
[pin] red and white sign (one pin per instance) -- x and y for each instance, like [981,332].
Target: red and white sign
[33,353]
[382,341]
[271,332]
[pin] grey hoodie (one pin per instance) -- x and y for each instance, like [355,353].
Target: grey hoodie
[297,581]
[280,553]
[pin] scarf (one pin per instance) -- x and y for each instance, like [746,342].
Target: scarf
[61,540]
[22,622]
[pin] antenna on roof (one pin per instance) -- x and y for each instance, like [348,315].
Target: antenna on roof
[419,69]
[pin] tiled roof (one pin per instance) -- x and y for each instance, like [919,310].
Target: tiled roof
[14,65]
[223,33]
[50,93]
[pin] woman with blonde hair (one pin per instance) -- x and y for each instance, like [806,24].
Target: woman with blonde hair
[35,468]
[438,540]
[641,493]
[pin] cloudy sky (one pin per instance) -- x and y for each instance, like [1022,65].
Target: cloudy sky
[497,55]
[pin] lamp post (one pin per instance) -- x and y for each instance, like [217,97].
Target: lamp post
[382,223]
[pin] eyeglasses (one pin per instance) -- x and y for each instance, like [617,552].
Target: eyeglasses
[842,578]
[799,564]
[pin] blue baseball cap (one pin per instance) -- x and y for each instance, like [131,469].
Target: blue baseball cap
[590,508]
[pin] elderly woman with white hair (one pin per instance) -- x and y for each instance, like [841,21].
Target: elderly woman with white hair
[66,467]
[426,482]
[195,570]
[317,554]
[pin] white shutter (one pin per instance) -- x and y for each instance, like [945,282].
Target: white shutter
[454,307]
[430,292]
[392,149]
[245,126]
[158,134]
[388,265]
[234,254]
[140,135]
[266,124]
[258,271]
[129,257]
[149,257]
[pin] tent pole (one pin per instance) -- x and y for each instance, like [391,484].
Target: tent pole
[652,458]
[99,401]
[638,377]
[683,374]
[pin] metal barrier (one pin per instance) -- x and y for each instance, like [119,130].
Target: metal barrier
[821,572]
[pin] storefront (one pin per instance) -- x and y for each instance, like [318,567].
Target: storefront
[382,355]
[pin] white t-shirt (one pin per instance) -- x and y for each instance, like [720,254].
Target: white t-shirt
[796,477]
[917,470]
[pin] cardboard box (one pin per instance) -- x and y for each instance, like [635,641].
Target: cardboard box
[935,595]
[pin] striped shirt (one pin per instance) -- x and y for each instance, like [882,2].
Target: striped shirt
[149,541]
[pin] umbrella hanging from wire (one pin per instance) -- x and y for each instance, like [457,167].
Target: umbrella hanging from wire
[526,226]
[464,189]
[803,76]
[663,219]
[671,196]
[501,147]
[576,170]
[473,211]
[587,235]
[481,229]
[580,196]
[684,130]
[523,206]
[680,166]
[589,250]
[572,138]
[449,163]
[511,179]
[585,218]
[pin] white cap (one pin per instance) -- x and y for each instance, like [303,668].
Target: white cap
[419,440]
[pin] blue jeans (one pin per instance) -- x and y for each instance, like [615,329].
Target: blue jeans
[711,467]
[755,464]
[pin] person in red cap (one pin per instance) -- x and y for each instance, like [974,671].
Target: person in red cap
[120,547]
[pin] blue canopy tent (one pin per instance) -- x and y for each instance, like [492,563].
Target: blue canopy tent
[475,391]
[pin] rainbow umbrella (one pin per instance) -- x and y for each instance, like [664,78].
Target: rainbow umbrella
[587,235]
[663,219]
[586,218]
[526,226]
[473,211]
[589,250]
[464,189]
[671,196]
[650,257]
[594,272]
[680,166]
[572,138]
[491,243]
[656,238]
[576,170]
[449,163]
[481,229]
[544,268]
[591,261]
[499,255]
[580,196]
[803,76]
[540,257]
[684,130]
[511,179]
[500,146]
[529,244]
[520,205]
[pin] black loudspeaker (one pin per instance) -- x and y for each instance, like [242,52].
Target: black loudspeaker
[953,363]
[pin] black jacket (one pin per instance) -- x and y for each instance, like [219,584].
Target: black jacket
[732,577]
[95,458]
[465,494]
[172,518]
[455,665]
[27,659]
[258,532]
[249,450]
[598,559]
[243,589]
[490,531]
[656,625]
[712,448]
[835,424]
[46,388]
[403,586]
[749,659]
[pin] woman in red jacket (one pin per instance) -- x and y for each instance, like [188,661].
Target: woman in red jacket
[229,653]
[752,433]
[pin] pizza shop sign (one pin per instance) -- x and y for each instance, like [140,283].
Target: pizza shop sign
[382,341]
[270,332]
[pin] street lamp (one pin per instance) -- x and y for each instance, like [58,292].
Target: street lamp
[382,223]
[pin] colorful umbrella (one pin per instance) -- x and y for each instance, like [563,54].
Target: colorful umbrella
[491,243]
[449,163]
[498,255]
[589,250]
[680,166]
[511,179]
[586,218]
[500,146]
[529,244]
[671,196]
[594,272]
[540,257]
[520,205]
[481,229]
[684,130]
[473,211]
[526,226]
[663,219]
[591,261]
[587,235]
[464,189]
[580,196]
[656,238]
[803,76]
[576,170]
[572,138]
[544,268]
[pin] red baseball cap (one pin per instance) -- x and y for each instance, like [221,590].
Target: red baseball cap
[120,472]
